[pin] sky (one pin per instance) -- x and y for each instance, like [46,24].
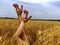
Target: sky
[39,9]
[37,1]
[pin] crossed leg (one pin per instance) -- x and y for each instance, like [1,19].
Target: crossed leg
[20,33]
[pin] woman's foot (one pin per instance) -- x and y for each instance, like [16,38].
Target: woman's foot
[18,10]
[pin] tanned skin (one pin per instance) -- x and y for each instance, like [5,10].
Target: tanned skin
[20,33]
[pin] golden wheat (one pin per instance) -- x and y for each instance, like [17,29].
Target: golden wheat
[38,32]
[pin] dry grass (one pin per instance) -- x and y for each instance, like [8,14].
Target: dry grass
[38,32]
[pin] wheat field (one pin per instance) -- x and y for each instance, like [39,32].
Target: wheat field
[38,32]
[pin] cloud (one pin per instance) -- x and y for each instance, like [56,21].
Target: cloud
[55,3]
[35,1]
[38,11]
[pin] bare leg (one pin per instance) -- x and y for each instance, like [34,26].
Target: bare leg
[20,29]
[20,33]
[19,13]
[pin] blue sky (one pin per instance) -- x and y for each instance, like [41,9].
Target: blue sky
[39,9]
